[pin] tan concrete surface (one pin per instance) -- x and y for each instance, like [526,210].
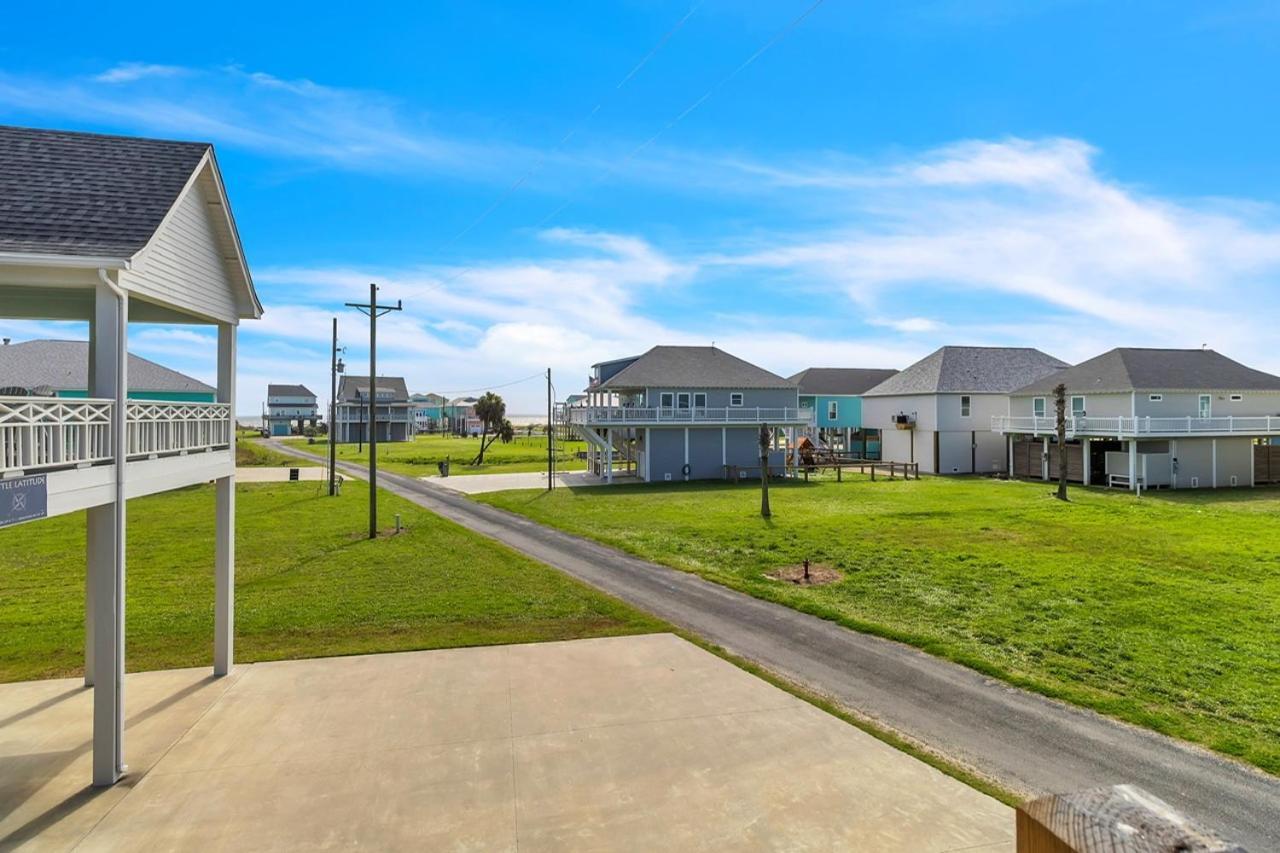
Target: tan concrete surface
[264,474]
[627,743]
[474,484]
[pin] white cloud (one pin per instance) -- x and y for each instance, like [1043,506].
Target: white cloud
[129,72]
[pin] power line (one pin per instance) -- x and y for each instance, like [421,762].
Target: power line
[538,375]
[573,131]
[698,102]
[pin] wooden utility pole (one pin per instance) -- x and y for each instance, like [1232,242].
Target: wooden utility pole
[765,439]
[373,311]
[1060,404]
[551,430]
[335,367]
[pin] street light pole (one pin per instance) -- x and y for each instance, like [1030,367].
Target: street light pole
[373,311]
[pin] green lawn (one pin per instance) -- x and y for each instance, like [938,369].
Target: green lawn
[251,453]
[1163,610]
[308,584]
[418,458]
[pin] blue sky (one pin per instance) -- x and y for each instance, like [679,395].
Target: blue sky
[557,183]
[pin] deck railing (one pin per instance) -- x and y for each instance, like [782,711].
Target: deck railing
[43,433]
[1142,427]
[671,416]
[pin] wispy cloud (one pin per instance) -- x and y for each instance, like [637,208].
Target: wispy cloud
[129,72]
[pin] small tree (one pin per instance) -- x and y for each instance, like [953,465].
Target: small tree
[1060,406]
[766,438]
[492,412]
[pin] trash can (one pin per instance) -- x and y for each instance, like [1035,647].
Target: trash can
[444,468]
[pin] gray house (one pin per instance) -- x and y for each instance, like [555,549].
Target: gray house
[683,413]
[1149,418]
[288,405]
[393,407]
[938,412]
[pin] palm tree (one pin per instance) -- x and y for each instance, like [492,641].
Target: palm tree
[492,412]
[766,438]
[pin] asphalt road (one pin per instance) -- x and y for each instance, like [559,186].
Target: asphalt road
[1026,742]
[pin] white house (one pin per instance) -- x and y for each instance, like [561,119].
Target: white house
[117,231]
[938,411]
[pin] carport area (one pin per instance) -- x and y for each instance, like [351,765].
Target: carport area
[619,743]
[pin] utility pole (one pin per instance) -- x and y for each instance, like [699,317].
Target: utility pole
[373,311]
[551,430]
[335,367]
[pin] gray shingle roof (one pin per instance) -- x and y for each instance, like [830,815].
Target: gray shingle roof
[693,367]
[847,381]
[289,391]
[64,365]
[348,385]
[1133,369]
[87,194]
[970,370]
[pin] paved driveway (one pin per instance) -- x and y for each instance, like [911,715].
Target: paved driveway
[628,743]
[474,484]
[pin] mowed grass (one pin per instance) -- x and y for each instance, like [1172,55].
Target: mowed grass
[419,457]
[308,584]
[251,453]
[1162,610]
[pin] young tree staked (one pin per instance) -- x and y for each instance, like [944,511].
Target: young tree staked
[766,438]
[1060,406]
[492,412]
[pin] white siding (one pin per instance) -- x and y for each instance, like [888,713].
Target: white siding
[184,264]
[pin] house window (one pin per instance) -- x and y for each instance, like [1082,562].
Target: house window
[1037,407]
[965,406]
[1156,398]
[667,400]
[700,399]
[1236,398]
[682,400]
[1206,405]
[833,410]
[735,398]
[1077,407]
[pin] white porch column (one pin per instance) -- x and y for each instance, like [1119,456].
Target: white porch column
[1086,471]
[1213,461]
[225,525]
[608,455]
[105,538]
[1133,464]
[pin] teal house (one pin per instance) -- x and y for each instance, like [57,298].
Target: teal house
[835,395]
[61,369]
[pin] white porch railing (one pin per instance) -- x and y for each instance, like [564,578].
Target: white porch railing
[157,428]
[667,416]
[41,433]
[49,432]
[1143,427]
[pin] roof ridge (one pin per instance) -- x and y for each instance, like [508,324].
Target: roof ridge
[54,131]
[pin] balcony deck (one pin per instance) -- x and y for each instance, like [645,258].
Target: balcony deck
[1144,427]
[654,416]
[167,445]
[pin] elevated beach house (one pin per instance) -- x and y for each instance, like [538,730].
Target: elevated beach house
[1150,418]
[61,369]
[290,409]
[113,231]
[428,412]
[683,413]
[392,408]
[835,396]
[938,412]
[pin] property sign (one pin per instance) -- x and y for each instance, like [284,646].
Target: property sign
[23,499]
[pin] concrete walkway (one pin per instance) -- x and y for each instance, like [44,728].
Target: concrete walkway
[265,474]
[625,743]
[474,484]
[1024,741]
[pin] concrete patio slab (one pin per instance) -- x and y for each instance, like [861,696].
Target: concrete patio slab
[474,484]
[626,743]
[264,474]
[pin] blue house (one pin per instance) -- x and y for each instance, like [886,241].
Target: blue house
[835,396]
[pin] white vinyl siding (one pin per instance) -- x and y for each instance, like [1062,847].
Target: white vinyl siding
[183,266]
